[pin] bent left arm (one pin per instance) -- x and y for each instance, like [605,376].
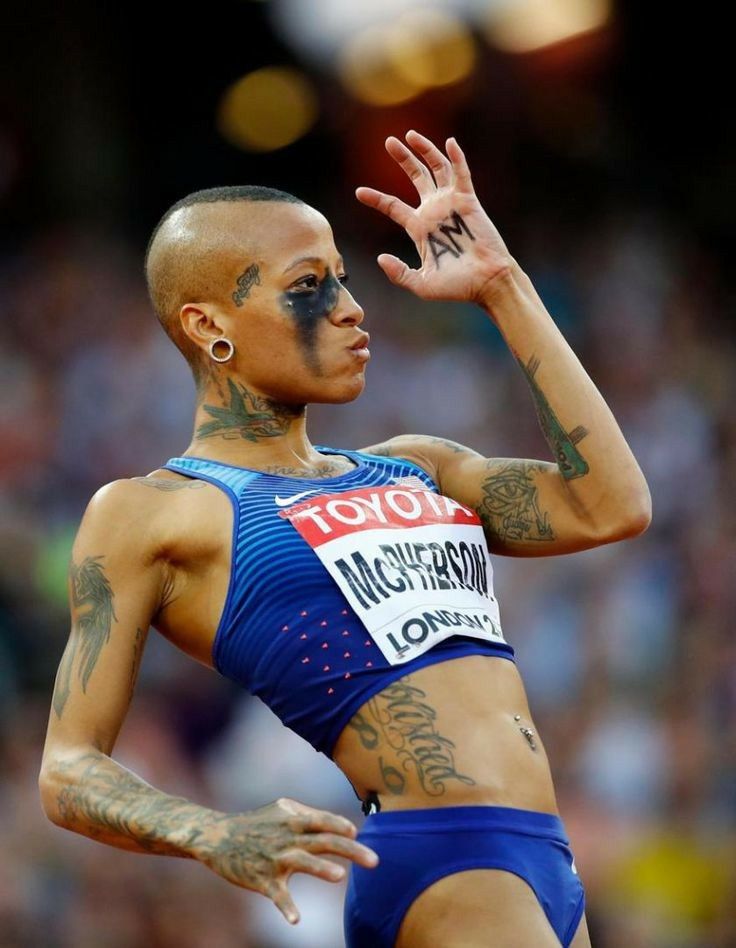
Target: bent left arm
[596,477]
[595,492]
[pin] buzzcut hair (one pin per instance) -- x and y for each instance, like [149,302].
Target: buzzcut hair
[176,270]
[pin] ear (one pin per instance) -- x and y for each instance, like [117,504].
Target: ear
[200,323]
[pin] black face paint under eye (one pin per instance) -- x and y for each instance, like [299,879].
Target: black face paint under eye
[308,307]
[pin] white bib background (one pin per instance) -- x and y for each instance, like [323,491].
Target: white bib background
[414,565]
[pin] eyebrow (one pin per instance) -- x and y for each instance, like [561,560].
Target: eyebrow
[317,260]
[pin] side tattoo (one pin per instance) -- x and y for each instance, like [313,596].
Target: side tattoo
[569,460]
[456,228]
[140,639]
[248,416]
[247,279]
[90,589]
[400,720]
[510,505]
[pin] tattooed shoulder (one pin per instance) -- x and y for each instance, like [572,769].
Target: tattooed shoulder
[166,484]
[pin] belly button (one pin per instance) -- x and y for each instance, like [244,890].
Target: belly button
[527,732]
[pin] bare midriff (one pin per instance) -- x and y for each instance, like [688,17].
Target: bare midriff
[451,734]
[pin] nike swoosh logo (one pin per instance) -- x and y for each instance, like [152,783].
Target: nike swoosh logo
[286,501]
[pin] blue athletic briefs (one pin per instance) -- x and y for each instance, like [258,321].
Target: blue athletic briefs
[287,633]
[418,847]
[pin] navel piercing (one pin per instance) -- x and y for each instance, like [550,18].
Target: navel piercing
[529,735]
[517,717]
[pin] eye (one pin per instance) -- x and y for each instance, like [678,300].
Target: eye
[308,282]
[344,278]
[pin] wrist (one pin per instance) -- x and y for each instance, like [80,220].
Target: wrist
[502,287]
[200,837]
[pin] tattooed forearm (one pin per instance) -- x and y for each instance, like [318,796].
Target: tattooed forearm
[248,416]
[450,244]
[90,591]
[101,799]
[97,797]
[569,460]
[402,722]
[510,507]
[249,278]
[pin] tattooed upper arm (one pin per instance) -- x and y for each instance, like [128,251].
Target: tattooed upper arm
[524,505]
[115,583]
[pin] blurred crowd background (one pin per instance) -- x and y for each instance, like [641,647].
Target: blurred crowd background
[602,146]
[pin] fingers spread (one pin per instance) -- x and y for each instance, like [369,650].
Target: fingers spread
[296,860]
[387,204]
[339,846]
[419,173]
[397,271]
[281,898]
[460,165]
[439,165]
[318,821]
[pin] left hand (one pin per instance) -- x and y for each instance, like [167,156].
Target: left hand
[460,249]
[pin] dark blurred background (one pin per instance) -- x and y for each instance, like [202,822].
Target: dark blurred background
[601,138]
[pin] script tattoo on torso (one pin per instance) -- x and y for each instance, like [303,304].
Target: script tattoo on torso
[400,719]
[449,242]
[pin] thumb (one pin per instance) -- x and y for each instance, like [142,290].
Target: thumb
[397,271]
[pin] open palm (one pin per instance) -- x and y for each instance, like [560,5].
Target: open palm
[460,249]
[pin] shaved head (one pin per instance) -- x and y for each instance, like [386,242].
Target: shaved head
[186,251]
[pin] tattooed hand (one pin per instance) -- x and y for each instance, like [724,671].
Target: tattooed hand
[460,249]
[260,849]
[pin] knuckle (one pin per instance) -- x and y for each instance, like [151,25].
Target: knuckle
[298,822]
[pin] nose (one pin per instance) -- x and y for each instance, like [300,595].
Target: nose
[347,312]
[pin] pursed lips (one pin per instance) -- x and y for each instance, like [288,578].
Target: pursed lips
[361,343]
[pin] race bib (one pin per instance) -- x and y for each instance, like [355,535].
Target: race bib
[414,565]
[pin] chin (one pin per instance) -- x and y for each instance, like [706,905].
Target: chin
[340,394]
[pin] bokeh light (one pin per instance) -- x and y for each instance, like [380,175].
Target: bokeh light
[397,61]
[430,48]
[267,109]
[521,26]
[368,72]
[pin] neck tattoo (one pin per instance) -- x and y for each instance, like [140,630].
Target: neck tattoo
[308,308]
[248,416]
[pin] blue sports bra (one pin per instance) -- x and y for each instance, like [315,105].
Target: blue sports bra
[340,585]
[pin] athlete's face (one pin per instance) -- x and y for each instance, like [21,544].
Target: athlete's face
[291,319]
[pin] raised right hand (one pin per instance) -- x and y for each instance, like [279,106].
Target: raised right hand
[260,849]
